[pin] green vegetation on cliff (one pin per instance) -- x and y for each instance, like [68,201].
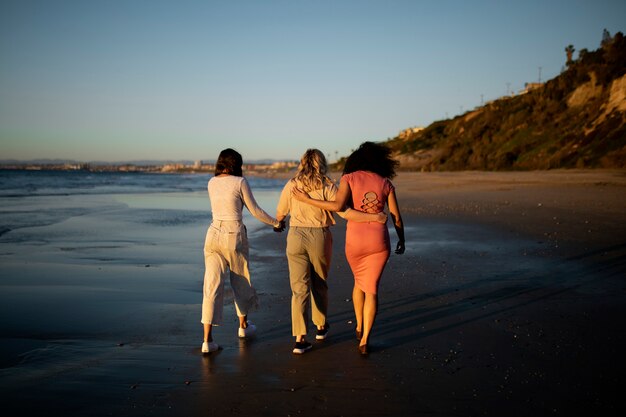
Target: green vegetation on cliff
[575,120]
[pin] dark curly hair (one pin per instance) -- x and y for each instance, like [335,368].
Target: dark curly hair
[373,157]
[229,162]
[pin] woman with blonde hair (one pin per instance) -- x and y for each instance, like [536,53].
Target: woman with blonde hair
[309,245]
[365,186]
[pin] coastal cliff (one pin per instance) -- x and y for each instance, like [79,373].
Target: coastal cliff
[575,120]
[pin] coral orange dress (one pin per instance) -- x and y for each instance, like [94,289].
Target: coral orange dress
[367,244]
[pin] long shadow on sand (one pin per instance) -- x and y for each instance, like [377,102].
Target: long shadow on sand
[586,276]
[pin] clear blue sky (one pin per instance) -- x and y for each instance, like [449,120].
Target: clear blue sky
[127,80]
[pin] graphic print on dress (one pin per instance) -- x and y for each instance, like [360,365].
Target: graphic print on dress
[370,202]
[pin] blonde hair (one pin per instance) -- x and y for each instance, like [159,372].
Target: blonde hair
[312,170]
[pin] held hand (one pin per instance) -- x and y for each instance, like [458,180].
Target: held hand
[299,194]
[400,248]
[381,217]
[281,227]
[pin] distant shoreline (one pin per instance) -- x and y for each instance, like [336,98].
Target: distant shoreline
[264,170]
[251,169]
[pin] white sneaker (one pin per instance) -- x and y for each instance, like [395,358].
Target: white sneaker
[208,347]
[248,331]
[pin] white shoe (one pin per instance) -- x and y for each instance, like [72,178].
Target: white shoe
[208,347]
[248,331]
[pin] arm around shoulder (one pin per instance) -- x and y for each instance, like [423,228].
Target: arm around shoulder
[332,205]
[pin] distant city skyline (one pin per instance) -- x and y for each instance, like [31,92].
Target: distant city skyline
[162,80]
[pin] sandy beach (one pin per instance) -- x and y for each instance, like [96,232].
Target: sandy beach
[509,301]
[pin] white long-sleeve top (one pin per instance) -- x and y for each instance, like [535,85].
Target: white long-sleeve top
[228,195]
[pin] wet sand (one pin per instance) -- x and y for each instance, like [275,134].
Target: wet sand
[510,301]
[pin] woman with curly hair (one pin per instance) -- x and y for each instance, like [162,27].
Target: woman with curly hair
[226,250]
[309,244]
[366,187]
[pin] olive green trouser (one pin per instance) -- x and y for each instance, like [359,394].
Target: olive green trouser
[309,251]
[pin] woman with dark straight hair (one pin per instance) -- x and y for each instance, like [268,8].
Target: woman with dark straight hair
[226,250]
[366,186]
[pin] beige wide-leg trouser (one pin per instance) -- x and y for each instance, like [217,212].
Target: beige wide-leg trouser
[309,252]
[226,253]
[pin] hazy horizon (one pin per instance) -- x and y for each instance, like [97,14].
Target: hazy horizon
[132,161]
[156,80]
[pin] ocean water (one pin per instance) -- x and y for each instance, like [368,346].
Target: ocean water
[114,249]
[41,198]
[91,260]
[20,183]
